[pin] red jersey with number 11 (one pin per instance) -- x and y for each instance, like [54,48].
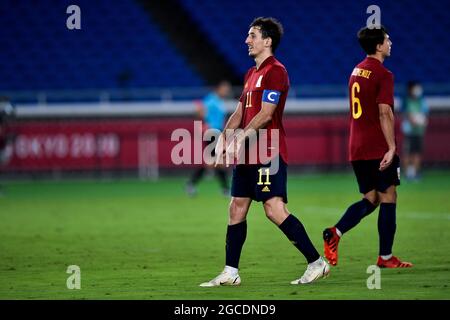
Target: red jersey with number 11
[270,76]
[370,84]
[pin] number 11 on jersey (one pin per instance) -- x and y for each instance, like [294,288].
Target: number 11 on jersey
[248,100]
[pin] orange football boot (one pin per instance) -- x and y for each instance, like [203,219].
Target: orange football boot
[330,244]
[393,262]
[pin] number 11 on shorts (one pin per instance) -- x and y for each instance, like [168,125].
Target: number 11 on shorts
[267,182]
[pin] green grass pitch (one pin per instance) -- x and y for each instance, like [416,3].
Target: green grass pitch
[148,240]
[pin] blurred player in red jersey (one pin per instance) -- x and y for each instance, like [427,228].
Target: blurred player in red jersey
[372,148]
[261,105]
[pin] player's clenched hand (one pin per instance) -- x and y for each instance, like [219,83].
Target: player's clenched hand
[235,149]
[220,150]
[240,144]
[387,160]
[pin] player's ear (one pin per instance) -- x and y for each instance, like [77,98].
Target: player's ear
[268,42]
[378,48]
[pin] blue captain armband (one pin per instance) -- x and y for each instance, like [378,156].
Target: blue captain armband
[271,96]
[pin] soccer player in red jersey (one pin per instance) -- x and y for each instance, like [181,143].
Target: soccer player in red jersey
[372,149]
[261,106]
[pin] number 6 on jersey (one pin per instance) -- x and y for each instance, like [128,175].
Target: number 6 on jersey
[356,110]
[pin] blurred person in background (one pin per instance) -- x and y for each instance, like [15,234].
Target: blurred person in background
[211,110]
[6,115]
[415,120]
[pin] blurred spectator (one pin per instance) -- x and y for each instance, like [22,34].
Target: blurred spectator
[415,119]
[211,110]
[6,115]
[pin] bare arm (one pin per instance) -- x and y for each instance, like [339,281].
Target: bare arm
[199,110]
[263,117]
[387,123]
[259,121]
[234,121]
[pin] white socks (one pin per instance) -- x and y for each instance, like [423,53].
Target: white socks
[317,262]
[231,270]
[386,257]
[338,232]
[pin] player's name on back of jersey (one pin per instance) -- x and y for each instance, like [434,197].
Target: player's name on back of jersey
[361,73]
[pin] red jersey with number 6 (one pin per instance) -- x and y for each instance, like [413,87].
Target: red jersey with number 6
[370,84]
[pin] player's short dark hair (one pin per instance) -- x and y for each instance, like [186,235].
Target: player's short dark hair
[411,84]
[270,28]
[370,38]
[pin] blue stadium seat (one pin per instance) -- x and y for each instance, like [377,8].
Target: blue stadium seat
[320,46]
[43,54]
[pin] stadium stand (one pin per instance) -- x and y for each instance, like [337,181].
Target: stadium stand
[121,47]
[99,98]
[118,46]
[320,45]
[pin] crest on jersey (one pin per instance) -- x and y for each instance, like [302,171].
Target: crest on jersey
[258,83]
